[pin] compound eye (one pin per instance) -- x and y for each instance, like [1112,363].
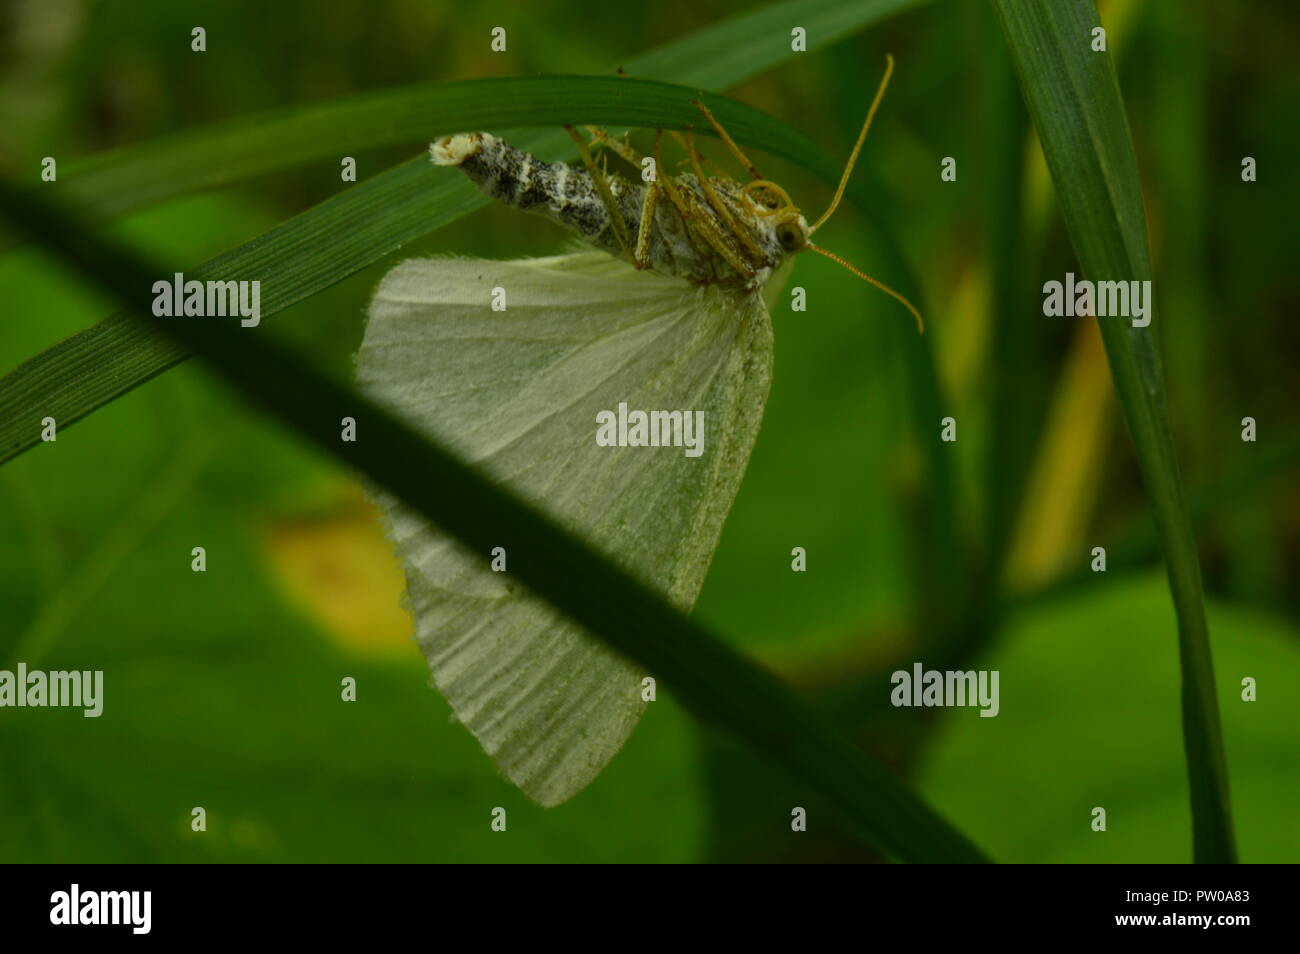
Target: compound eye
[788,236]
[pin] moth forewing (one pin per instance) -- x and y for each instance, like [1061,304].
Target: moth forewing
[517,393]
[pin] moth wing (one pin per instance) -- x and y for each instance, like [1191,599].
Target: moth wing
[517,393]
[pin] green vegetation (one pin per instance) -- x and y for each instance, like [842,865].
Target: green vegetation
[223,686]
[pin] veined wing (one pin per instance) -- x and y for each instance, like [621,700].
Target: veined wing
[517,392]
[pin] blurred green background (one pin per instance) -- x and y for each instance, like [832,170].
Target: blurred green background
[222,688]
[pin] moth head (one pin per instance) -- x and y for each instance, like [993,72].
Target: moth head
[769,201]
[793,231]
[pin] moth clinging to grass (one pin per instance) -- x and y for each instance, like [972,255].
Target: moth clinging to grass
[618,390]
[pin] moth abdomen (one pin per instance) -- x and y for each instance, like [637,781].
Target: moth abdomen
[512,176]
[706,232]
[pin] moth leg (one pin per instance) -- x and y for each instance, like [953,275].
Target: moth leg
[692,154]
[602,189]
[731,143]
[679,205]
[641,251]
[719,244]
[718,205]
[697,222]
[624,150]
[641,255]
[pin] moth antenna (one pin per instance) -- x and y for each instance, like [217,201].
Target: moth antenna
[920,325]
[853,156]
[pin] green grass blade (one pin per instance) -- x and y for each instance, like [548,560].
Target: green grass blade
[1074,100]
[243,148]
[745,45]
[410,114]
[712,680]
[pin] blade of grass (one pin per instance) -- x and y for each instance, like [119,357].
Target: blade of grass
[1074,100]
[243,148]
[1012,420]
[935,557]
[261,144]
[711,679]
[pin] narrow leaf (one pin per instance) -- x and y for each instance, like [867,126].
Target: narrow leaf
[246,147]
[1074,99]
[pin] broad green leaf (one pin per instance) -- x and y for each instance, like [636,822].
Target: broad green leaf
[1076,731]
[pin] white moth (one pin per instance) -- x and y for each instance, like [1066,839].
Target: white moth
[668,315]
